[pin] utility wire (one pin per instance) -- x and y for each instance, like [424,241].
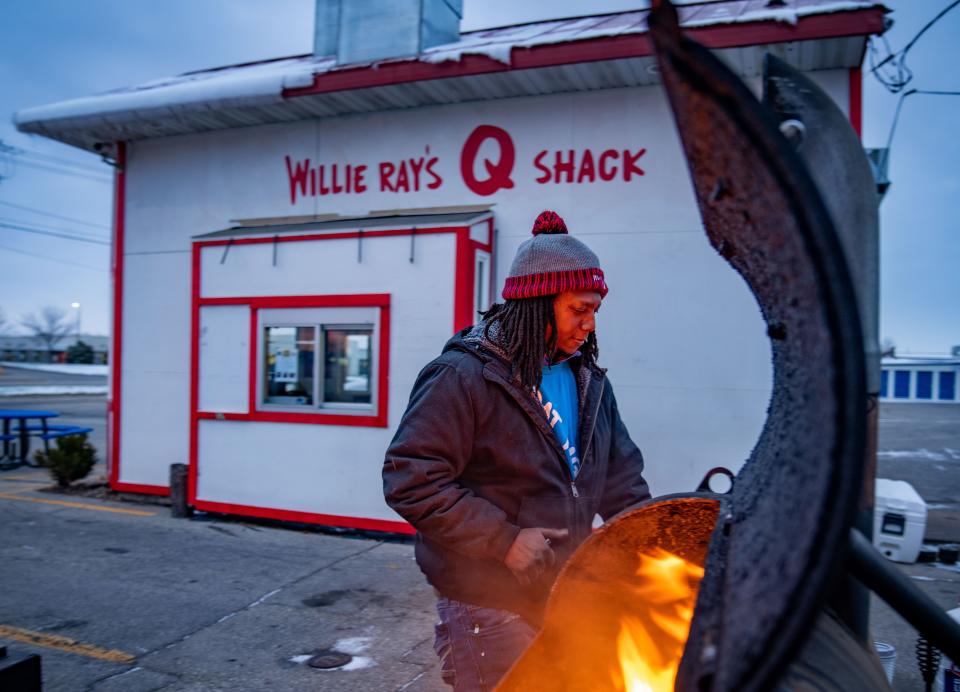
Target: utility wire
[903,97]
[59,229]
[39,231]
[47,158]
[32,210]
[57,161]
[62,171]
[898,74]
[52,259]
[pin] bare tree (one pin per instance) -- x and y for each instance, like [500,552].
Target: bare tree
[50,327]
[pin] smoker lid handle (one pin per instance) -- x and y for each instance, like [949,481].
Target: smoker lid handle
[880,576]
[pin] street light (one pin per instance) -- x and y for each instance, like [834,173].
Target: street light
[76,306]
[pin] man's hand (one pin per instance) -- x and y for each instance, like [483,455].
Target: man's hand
[530,554]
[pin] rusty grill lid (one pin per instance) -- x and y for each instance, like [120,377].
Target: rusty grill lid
[781,533]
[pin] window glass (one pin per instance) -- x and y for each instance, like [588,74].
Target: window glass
[924,384]
[347,365]
[289,372]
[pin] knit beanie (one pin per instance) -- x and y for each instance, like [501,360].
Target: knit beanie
[552,262]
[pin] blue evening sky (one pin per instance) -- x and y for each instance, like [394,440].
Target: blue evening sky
[53,50]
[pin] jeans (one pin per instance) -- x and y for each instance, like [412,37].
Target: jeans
[477,645]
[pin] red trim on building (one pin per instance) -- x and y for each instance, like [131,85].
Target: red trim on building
[257,303]
[463,281]
[834,25]
[360,300]
[856,100]
[307,517]
[252,377]
[463,304]
[194,371]
[141,488]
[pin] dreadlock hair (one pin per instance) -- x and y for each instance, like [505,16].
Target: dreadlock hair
[523,335]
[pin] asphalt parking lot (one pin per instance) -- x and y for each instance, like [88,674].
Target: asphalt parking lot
[120,596]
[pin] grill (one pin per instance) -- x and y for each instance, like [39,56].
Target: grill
[770,564]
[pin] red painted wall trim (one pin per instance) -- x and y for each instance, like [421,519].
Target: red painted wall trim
[835,25]
[141,488]
[254,356]
[463,281]
[463,304]
[856,100]
[360,300]
[307,517]
[194,370]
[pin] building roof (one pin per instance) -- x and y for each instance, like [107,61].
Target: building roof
[578,54]
[920,360]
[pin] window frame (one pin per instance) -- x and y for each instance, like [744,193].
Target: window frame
[319,318]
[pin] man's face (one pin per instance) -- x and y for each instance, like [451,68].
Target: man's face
[576,315]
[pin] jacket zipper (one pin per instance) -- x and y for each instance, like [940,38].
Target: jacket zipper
[573,487]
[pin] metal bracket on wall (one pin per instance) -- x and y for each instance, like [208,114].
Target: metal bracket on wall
[413,236]
[226,251]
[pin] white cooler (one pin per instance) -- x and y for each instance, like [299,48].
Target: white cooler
[899,520]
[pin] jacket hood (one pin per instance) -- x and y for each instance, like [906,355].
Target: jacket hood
[473,340]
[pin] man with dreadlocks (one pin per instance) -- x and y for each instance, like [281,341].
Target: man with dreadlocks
[510,446]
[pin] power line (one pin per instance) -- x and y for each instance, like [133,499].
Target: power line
[54,216]
[899,75]
[61,171]
[52,259]
[903,97]
[59,229]
[56,160]
[47,158]
[56,234]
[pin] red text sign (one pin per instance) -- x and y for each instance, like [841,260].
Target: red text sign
[424,173]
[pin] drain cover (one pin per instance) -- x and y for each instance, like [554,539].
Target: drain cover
[329,659]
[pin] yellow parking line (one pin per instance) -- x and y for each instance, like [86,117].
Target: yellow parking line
[77,505]
[28,479]
[70,646]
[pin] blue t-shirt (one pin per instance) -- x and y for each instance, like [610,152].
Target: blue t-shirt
[558,396]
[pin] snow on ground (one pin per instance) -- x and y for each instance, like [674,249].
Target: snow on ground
[52,390]
[68,368]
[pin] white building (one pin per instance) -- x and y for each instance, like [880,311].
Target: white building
[928,379]
[294,239]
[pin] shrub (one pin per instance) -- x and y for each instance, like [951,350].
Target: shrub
[71,460]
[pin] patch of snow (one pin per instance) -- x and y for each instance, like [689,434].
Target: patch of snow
[353,645]
[301,659]
[52,390]
[63,368]
[912,454]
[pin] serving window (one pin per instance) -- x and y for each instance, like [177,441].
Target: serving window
[318,360]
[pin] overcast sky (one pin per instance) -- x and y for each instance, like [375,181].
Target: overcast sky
[54,50]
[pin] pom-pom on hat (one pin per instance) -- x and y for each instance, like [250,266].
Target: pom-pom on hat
[551,262]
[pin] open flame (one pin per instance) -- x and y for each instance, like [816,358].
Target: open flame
[651,640]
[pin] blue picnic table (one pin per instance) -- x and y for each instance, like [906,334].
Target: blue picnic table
[18,454]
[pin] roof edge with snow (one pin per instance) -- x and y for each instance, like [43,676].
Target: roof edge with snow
[482,65]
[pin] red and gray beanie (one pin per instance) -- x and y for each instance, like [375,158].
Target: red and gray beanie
[552,262]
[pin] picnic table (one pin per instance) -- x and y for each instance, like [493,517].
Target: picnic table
[18,454]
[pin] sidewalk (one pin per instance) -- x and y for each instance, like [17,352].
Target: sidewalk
[118,596]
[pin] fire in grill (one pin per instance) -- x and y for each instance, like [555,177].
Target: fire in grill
[751,590]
